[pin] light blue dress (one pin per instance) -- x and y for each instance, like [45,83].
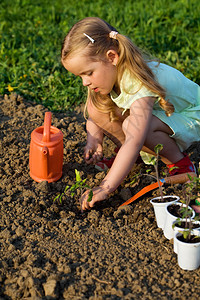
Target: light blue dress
[183,93]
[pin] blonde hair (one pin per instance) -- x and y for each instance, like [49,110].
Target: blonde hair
[130,58]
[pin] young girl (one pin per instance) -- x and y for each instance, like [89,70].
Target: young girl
[136,102]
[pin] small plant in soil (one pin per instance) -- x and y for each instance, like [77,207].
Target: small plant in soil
[180,223]
[154,161]
[192,239]
[80,185]
[189,192]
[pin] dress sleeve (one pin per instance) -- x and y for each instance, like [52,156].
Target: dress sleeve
[131,90]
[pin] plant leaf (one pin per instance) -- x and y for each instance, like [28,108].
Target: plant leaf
[60,199]
[90,196]
[66,188]
[78,176]
[56,198]
[158,148]
[173,168]
[185,234]
[152,160]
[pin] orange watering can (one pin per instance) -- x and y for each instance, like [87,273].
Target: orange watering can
[46,152]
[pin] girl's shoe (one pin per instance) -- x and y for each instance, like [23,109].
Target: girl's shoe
[106,164]
[184,165]
[196,208]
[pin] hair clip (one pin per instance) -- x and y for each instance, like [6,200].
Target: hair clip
[113,35]
[91,39]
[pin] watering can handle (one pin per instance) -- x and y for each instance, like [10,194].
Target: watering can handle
[47,126]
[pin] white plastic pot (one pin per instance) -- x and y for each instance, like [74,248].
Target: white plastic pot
[159,209]
[168,230]
[179,229]
[188,253]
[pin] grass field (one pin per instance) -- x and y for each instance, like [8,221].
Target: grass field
[31,34]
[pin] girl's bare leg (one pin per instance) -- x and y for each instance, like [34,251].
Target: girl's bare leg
[111,129]
[158,134]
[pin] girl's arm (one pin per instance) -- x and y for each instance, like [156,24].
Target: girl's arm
[135,128]
[93,149]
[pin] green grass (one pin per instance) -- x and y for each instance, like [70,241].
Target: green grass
[31,34]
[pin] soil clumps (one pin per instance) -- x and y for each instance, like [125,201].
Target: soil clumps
[50,250]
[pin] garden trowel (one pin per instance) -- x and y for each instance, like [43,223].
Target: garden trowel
[180,178]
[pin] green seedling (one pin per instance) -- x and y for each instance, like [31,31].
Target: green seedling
[60,195]
[154,161]
[134,179]
[190,190]
[79,185]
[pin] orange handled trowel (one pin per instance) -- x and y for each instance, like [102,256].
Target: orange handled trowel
[180,178]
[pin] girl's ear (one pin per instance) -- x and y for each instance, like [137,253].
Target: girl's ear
[112,57]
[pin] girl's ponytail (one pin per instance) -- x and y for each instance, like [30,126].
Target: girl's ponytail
[132,58]
[166,106]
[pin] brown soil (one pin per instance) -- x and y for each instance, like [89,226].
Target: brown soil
[49,250]
[177,211]
[164,200]
[192,240]
[187,225]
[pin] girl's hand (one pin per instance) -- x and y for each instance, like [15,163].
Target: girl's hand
[93,154]
[93,150]
[99,194]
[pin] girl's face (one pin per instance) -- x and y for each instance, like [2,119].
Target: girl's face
[98,76]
